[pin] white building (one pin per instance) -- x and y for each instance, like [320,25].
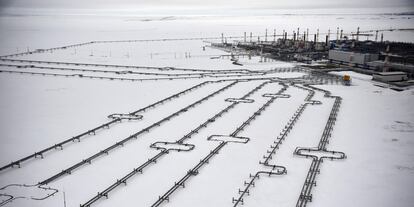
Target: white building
[390,76]
[351,57]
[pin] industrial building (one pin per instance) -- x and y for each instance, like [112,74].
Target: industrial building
[374,57]
[349,57]
[390,76]
[392,66]
[386,61]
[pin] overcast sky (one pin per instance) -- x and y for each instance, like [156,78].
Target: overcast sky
[274,4]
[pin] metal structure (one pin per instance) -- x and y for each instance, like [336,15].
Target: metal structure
[275,169]
[10,198]
[131,137]
[98,128]
[165,151]
[230,78]
[310,181]
[195,170]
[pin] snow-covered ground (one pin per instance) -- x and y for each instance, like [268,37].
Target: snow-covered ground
[51,102]
[38,29]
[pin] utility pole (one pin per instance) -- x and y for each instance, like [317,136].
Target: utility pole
[266,36]
[64,199]
[274,35]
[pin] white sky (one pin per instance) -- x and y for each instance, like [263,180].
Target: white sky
[273,4]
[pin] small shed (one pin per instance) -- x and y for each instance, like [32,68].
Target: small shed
[390,76]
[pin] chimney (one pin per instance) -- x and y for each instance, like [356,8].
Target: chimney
[317,34]
[307,34]
[387,59]
[357,35]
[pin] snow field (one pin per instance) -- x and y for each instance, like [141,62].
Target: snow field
[374,126]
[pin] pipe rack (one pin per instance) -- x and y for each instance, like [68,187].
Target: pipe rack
[11,197]
[131,137]
[125,66]
[228,75]
[128,117]
[127,72]
[280,170]
[104,77]
[195,170]
[196,71]
[46,50]
[310,181]
[100,127]
[163,152]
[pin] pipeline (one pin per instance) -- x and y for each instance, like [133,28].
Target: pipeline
[280,170]
[133,136]
[310,181]
[123,72]
[125,66]
[163,152]
[195,170]
[100,127]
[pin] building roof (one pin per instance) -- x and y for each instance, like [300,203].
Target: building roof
[392,73]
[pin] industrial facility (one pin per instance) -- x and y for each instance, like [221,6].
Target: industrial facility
[389,62]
